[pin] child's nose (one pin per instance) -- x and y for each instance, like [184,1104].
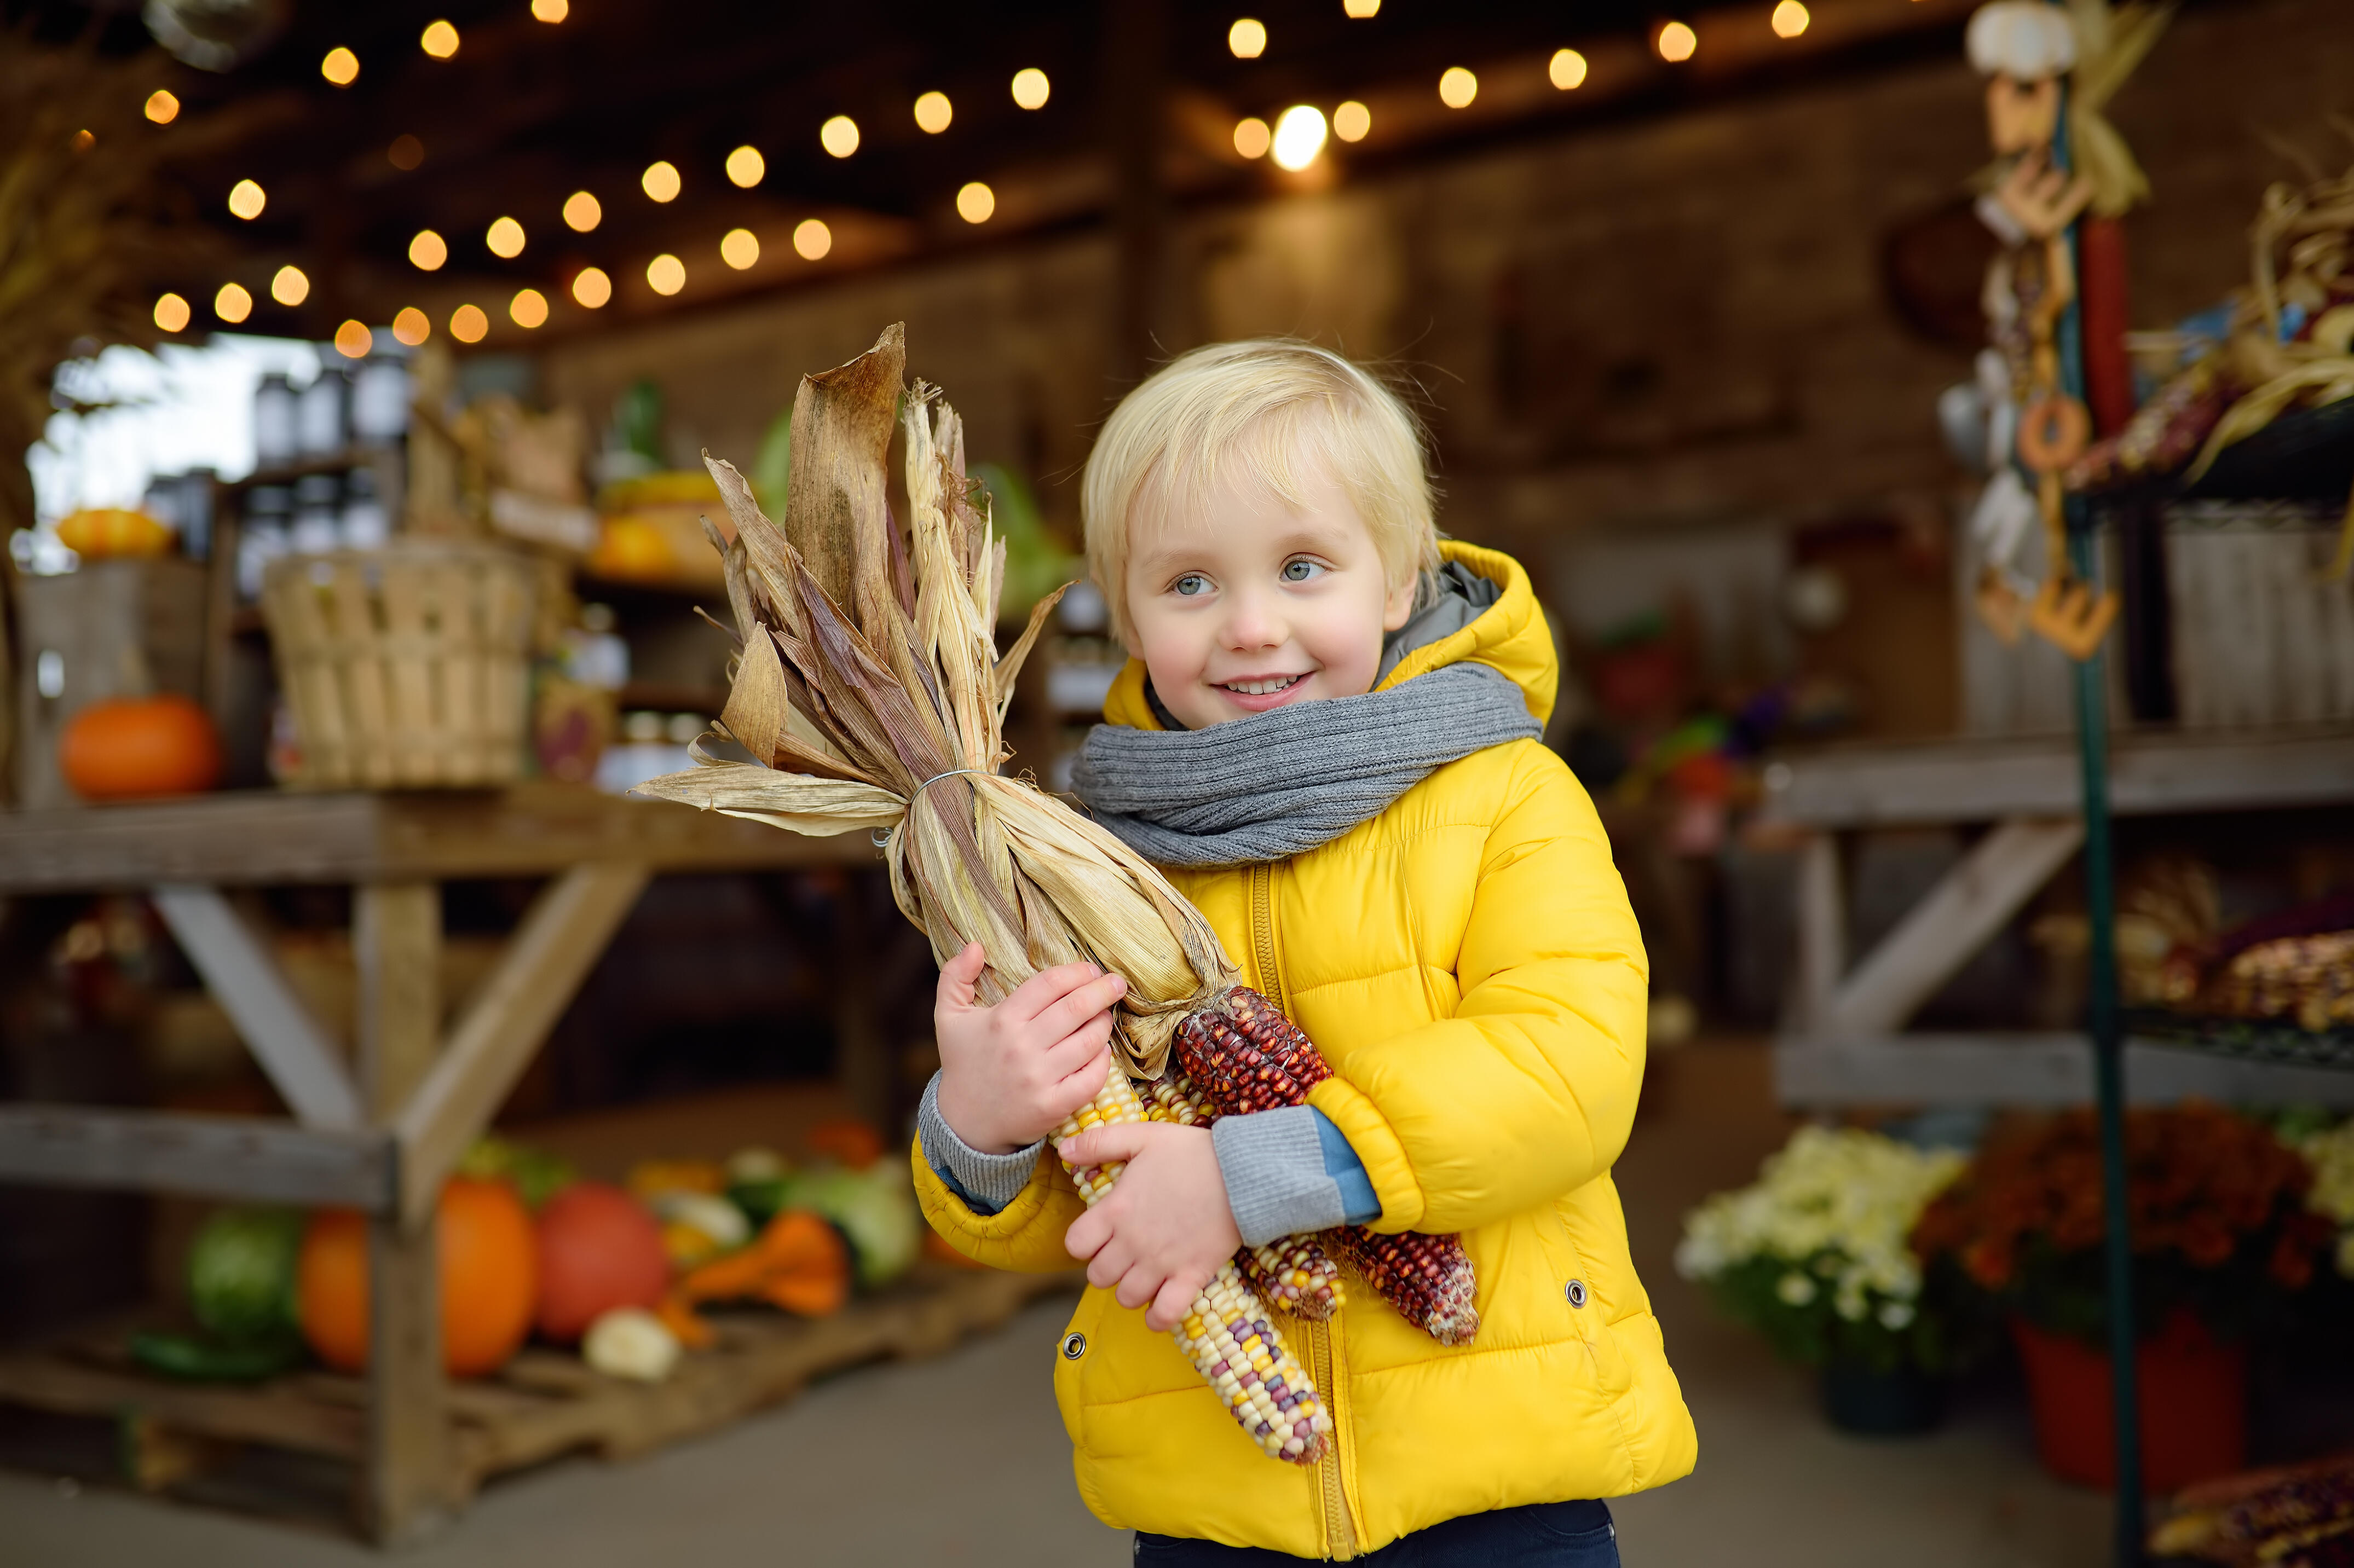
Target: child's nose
[1253,622]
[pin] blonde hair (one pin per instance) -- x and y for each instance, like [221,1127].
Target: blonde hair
[1278,407]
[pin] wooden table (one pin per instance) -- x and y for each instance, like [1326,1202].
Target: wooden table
[379,1135]
[1843,1042]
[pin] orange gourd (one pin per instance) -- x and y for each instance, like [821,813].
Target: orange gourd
[599,1249]
[799,1263]
[129,747]
[855,1144]
[490,1276]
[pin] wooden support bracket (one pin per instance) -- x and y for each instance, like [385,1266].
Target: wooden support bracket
[565,930]
[244,978]
[1947,929]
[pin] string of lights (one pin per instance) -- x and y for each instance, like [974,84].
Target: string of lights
[1294,142]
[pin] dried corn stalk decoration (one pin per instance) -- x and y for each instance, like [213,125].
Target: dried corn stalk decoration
[867,693]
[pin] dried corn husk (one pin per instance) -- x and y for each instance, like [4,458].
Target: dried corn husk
[868,693]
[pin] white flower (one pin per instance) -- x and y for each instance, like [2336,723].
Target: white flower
[1896,1316]
[1795,1290]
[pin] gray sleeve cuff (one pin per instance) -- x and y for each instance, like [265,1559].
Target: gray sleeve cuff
[987,1183]
[1273,1162]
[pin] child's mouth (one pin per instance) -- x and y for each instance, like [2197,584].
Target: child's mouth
[1270,691]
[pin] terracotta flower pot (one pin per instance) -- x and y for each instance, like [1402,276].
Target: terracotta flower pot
[2194,1404]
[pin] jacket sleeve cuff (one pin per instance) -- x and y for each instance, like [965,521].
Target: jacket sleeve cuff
[986,1183]
[1273,1163]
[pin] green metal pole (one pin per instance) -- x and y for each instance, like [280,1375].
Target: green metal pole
[2102,1022]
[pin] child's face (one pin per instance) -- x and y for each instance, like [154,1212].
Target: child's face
[1249,605]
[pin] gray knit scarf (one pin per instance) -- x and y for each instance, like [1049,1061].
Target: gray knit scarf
[1269,786]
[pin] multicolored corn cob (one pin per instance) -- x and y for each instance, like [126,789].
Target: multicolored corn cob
[1243,1056]
[1226,1334]
[1295,1275]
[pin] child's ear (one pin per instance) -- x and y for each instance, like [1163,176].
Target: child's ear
[1398,609]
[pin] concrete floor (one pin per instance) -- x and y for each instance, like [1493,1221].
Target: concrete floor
[962,1460]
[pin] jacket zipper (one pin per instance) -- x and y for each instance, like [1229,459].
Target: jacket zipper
[1340,1535]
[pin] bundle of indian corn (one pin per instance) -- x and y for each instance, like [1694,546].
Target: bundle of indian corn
[867,693]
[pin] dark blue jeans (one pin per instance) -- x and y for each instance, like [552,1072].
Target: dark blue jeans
[1541,1535]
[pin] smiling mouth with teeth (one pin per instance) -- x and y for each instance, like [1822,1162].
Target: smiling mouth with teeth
[1263,688]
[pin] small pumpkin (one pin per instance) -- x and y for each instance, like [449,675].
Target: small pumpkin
[101,533]
[599,1250]
[127,749]
[799,1263]
[490,1276]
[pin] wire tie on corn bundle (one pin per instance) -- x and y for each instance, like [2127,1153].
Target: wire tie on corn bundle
[882,836]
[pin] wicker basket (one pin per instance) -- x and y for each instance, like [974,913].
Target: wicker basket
[404,667]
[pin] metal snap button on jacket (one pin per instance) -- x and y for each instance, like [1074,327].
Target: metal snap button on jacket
[1074,1347]
[1576,1292]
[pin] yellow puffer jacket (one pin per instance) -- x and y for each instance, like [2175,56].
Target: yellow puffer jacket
[1468,963]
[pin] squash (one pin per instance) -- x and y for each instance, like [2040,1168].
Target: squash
[103,533]
[127,749]
[847,1141]
[800,1263]
[489,1267]
[599,1250]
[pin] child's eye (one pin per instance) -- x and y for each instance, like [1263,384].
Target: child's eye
[1300,571]
[1191,584]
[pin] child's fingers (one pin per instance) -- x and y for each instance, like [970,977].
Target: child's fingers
[1087,1235]
[1111,1263]
[1075,1090]
[1138,1285]
[960,975]
[1065,1016]
[1047,987]
[1104,1145]
[1170,1306]
[1079,1047]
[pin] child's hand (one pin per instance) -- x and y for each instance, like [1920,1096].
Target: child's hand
[1010,1073]
[1165,1226]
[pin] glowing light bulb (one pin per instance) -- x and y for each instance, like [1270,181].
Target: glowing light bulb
[1568,70]
[247,199]
[289,286]
[162,107]
[1252,138]
[592,288]
[440,39]
[1457,87]
[839,135]
[550,11]
[812,239]
[1790,20]
[1352,122]
[412,326]
[581,212]
[1299,137]
[341,67]
[1359,10]
[352,340]
[661,180]
[406,152]
[976,203]
[428,251]
[666,273]
[1247,38]
[233,304]
[1030,87]
[528,309]
[1676,42]
[934,113]
[171,313]
[469,324]
[739,248]
[745,167]
[505,238]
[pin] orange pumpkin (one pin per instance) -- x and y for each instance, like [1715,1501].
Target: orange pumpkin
[99,533]
[855,1143]
[489,1264]
[128,747]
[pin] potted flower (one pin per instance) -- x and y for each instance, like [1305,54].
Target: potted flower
[2221,1239]
[1814,1256]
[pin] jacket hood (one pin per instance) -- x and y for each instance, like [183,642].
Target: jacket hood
[1509,636]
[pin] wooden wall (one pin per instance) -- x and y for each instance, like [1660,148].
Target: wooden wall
[1675,318]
